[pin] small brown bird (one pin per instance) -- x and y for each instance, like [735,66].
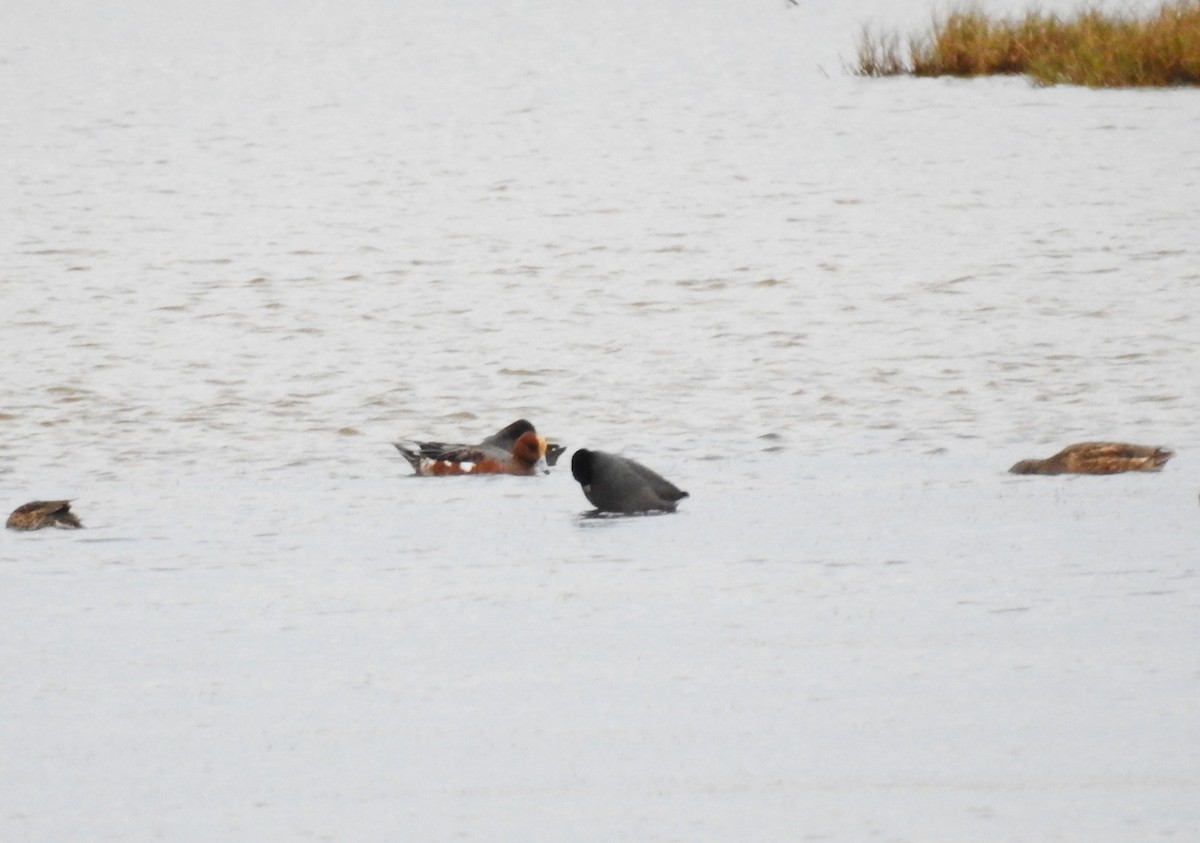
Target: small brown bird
[39,514]
[1097,458]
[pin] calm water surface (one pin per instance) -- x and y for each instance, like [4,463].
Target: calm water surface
[243,250]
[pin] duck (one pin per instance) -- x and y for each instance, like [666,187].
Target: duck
[527,456]
[38,514]
[1098,458]
[613,483]
[499,444]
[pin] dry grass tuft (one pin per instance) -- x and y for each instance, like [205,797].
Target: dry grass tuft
[1094,48]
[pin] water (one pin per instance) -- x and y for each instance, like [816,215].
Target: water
[246,248]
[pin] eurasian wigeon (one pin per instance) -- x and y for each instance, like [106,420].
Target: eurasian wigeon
[39,514]
[498,445]
[1097,458]
[617,484]
[526,456]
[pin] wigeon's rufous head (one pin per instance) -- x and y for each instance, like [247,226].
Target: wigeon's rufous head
[530,452]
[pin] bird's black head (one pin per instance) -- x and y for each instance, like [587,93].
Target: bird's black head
[581,466]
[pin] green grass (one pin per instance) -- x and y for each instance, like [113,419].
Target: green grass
[1095,48]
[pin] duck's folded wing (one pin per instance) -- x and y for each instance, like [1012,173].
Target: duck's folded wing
[463,453]
[1118,450]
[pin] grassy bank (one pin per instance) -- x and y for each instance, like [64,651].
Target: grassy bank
[1094,48]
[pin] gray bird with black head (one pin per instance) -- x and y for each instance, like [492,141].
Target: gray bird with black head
[617,484]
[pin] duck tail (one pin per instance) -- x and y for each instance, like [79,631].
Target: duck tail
[413,456]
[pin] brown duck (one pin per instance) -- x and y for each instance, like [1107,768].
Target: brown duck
[1097,458]
[39,514]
